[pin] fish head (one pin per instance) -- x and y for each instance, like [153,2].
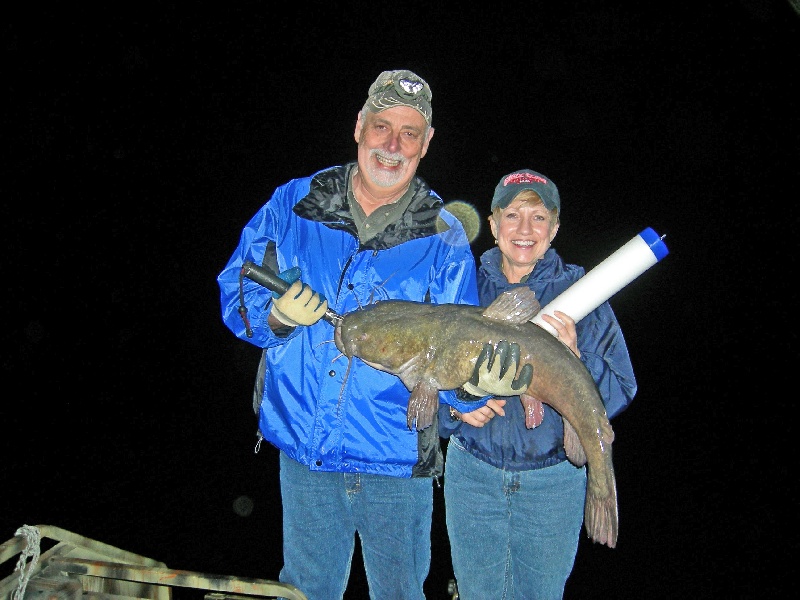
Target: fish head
[421,343]
[380,335]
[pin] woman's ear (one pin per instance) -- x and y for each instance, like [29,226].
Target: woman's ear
[493,227]
[554,232]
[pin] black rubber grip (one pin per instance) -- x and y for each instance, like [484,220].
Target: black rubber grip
[265,276]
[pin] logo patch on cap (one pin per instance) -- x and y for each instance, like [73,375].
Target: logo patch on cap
[409,88]
[394,88]
[517,178]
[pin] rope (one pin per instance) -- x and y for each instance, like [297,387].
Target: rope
[31,549]
[242,308]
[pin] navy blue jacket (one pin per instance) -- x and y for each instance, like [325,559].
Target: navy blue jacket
[505,442]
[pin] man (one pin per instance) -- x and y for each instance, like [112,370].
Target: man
[359,233]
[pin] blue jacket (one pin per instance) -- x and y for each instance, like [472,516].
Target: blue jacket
[309,404]
[505,442]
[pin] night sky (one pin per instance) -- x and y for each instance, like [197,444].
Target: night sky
[140,140]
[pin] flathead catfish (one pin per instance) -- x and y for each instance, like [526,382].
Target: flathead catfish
[435,347]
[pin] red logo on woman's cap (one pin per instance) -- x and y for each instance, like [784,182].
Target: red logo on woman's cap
[517,178]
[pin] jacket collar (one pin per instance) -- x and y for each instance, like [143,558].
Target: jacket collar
[549,266]
[327,203]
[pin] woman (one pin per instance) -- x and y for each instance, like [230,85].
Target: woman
[522,540]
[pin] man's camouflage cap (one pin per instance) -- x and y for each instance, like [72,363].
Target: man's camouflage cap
[400,87]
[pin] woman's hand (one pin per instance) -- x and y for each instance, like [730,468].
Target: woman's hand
[565,328]
[481,416]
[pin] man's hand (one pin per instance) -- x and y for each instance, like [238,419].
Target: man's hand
[300,305]
[495,372]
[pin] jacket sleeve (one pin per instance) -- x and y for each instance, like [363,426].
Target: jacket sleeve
[605,355]
[243,301]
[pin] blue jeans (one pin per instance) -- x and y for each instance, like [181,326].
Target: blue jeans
[513,534]
[322,513]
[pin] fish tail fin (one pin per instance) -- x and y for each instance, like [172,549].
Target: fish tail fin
[601,516]
[601,520]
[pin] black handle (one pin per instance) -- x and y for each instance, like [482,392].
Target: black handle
[270,280]
[264,276]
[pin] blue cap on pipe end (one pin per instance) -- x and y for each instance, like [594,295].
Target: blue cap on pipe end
[654,241]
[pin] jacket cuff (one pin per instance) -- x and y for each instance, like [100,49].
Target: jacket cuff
[466,402]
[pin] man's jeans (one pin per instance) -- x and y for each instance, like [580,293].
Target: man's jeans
[513,534]
[323,511]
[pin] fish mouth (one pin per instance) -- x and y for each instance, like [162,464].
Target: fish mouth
[337,339]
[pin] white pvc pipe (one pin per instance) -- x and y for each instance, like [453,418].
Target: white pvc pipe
[607,278]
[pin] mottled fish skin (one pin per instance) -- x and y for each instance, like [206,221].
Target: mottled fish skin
[435,347]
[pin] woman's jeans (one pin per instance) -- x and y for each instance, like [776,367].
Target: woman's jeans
[513,534]
[323,511]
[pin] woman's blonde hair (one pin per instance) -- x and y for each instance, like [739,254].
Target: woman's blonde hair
[532,198]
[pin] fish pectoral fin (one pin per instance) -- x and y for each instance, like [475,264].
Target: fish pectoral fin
[422,405]
[534,410]
[572,445]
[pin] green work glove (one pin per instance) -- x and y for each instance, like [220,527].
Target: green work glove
[300,305]
[495,372]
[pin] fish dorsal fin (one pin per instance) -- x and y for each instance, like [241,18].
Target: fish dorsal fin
[514,306]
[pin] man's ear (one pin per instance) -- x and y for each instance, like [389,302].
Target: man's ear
[427,141]
[359,125]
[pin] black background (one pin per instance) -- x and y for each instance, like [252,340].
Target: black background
[141,138]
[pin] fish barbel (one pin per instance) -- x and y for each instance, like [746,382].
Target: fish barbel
[436,347]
